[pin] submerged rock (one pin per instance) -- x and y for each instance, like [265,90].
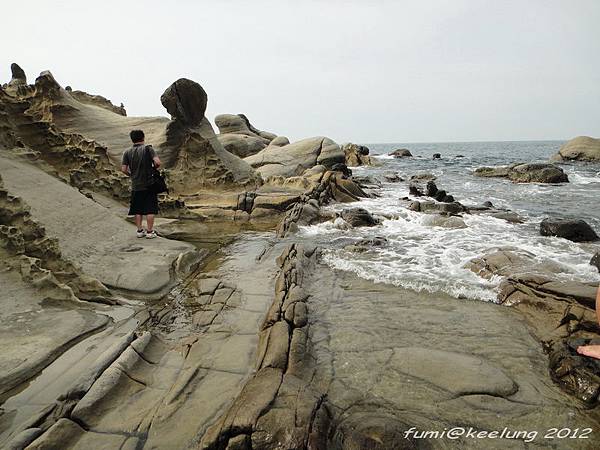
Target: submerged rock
[573,230]
[366,244]
[400,153]
[525,173]
[392,177]
[423,177]
[437,156]
[581,148]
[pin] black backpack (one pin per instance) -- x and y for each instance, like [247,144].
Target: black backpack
[157,183]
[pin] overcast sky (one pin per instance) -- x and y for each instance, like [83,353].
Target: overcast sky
[361,71]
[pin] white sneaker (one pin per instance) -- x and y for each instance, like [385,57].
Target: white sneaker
[151,234]
[141,233]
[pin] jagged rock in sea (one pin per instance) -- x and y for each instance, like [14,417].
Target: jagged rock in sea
[436,156]
[581,148]
[525,173]
[357,155]
[595,261]
[573,230]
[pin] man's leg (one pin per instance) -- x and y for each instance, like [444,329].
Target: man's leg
[150,221]
[138,221]
[592,350]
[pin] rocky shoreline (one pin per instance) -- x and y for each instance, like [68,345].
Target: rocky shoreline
[237,335]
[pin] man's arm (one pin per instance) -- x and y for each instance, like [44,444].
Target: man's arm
[125,169]
[156,161]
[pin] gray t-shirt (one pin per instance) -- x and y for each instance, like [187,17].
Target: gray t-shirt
[140,165]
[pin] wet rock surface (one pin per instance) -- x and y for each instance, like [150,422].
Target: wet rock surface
[573,230]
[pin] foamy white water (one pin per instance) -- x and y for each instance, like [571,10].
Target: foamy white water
[423,256]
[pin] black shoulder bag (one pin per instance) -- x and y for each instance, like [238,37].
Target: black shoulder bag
[157,183]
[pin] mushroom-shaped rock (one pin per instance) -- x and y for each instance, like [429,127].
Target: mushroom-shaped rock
[186,101]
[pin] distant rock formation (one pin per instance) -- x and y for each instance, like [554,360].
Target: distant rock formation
[581,148]
[293,159]
[240,137]
[525,173]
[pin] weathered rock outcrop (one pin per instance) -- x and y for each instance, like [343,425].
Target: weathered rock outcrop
[27,129]
[293,159]
[573,230]
[526,173]
[27,249]
[581,148]
[97,100]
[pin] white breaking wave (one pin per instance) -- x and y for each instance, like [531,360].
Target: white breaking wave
[433,258]
[577,178]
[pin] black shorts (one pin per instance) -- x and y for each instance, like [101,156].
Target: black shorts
[143,202]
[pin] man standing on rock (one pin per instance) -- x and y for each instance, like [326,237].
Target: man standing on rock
[138,162]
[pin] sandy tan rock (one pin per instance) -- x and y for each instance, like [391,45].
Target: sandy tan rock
[295,158]
[581,148]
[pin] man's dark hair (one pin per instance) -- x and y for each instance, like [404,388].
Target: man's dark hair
[136,136]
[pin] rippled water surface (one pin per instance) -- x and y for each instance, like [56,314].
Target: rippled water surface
[426,257]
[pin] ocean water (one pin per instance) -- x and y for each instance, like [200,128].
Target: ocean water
[423,256]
